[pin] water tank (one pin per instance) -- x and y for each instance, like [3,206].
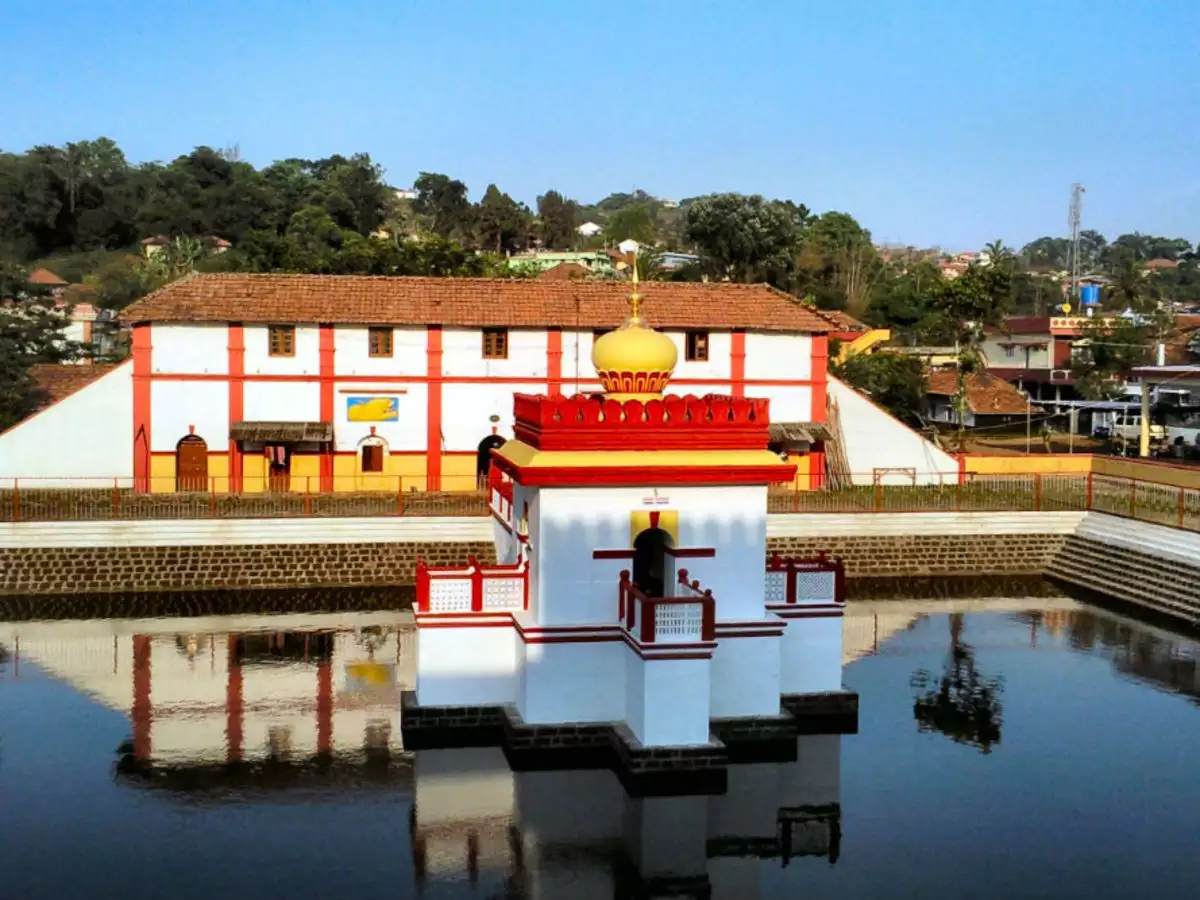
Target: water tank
[1089,295]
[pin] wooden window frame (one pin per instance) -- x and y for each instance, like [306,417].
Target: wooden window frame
[286,335]
[374,451]
[495,343]
[696,346]
[380,342]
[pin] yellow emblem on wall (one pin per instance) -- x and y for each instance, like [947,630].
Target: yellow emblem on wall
[666,519]
[372,409]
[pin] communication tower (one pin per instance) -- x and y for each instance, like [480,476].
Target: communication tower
[1074,218]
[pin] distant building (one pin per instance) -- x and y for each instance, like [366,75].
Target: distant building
[406,193]
[989,400]
[627,246]
[590,229]
[46,278]
[669,259]
[597,262]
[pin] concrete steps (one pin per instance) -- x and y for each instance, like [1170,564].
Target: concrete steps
[1142,577]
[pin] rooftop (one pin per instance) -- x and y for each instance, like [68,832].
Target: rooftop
[45,277]
[986,394]
[469,302]
[57,382]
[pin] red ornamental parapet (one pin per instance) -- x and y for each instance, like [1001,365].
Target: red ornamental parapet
[581,422]
[805,582]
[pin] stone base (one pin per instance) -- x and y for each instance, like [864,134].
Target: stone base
[668,771]
[758,739]
[447,727]
[579,745]
[827,712]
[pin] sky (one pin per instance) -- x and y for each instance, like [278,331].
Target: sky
[940,123]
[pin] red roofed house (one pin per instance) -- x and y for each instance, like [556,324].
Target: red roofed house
[307,382]
[990,400]
[1033,353]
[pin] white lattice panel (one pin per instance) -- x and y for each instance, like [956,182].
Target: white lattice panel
[776,587]
[815,587]
[450,594]
[678,623]
[503,593]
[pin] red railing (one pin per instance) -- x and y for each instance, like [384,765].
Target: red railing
[1134,498]
[583,422]
[473,588]
[801,582]
[687,617]
[500,494]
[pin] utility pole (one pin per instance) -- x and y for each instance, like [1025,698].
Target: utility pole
[1073,221]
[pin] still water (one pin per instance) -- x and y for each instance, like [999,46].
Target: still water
[1004,751]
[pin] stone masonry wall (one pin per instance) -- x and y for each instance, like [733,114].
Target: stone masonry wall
[873,556]
[101,570]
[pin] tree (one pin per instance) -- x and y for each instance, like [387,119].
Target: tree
[31,333]
[557,221]
[962,704]
[746,238]
[500,222]
[630,223]
[838,265]
[895,381]
[442,204]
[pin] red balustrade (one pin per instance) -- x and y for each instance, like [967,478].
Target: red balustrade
[638,612]
[805,581]
[473,588]
[597,423]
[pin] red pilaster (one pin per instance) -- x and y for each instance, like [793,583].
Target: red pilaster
[142,712]
[554,354]
[737,362]
[327,414]
[816,466]
[237,402]
[433,437]
[324,707]
[234,701]
[140,351]
[820,376]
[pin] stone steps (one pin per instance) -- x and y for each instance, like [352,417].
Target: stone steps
[1166,586]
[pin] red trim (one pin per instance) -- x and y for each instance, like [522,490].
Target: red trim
[716,385]
[434,620]
[433,426]
[237,399]
[742,634]
[691,552]
[808,614]
[142,712]
[820,376]
[326,354]
[505,525]
[612,554]
[646,475]
[737,362]
[678,651]
[962,468]
[234,702]
[554,354]
[140,350]
[324,707]
[816,466]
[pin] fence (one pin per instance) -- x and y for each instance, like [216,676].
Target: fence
[805,582]
[67,499]
[472,589]
[1134,498]
[687,617]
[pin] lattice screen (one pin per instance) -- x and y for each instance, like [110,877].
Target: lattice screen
[450,594]
[678,622]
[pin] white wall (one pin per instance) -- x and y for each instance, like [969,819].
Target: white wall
[407,433]
[573,682]
[926,523]
[466,666]
[462,354]
[307,360]
[352,352]
[788,404]
[811,656]
[667,700]
[281,401]
[189,349]
[174,405]
[90,433]
[718,366]
[781,356]
[467,408]
[573,588]
[873,439]
[745,677]
[1014,356]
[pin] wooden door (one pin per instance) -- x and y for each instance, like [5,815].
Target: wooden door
[279,468]
[191,464]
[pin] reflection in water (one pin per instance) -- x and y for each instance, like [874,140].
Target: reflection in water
[266,752]
[961,704]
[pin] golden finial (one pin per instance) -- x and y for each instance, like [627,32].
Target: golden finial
[635,299]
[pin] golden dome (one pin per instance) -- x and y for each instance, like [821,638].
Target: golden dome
[635,361]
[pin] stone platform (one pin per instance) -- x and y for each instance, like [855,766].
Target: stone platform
[644,771]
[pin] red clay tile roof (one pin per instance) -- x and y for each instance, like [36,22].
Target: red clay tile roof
[59,382]
[842,321]
[565,271]
[469,302]
[46,277]
[986,394]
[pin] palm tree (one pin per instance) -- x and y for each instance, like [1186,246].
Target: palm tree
[961,704]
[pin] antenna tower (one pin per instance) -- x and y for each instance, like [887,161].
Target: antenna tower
[1073,220]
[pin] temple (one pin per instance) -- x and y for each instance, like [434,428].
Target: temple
[633,615]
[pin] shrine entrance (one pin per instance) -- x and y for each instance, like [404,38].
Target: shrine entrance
[652,569]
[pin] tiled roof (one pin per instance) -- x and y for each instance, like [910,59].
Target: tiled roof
[58,382]
[564,271]
[842,321]
[469,302]
[45,277]
[987,394]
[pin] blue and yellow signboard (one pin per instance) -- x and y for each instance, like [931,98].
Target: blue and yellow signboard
[372,409]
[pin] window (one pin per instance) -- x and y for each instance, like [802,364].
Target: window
[372,458]
[1009,351]
[281,340]
[495,343]
[697,346]
[379,341]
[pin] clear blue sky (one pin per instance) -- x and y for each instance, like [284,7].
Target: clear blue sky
[948,122]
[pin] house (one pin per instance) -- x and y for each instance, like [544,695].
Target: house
[1034,353]
[989,400]
[321,383]
[47,279]
[590,229]
[406,193]
[565,271]
[670,259]
[597,262]
[1159,264]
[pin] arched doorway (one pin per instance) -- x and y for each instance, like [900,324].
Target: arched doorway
[191,464]
[652,569]
[483,458]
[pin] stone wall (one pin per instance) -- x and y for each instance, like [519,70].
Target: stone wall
[925,555]
[104,570]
